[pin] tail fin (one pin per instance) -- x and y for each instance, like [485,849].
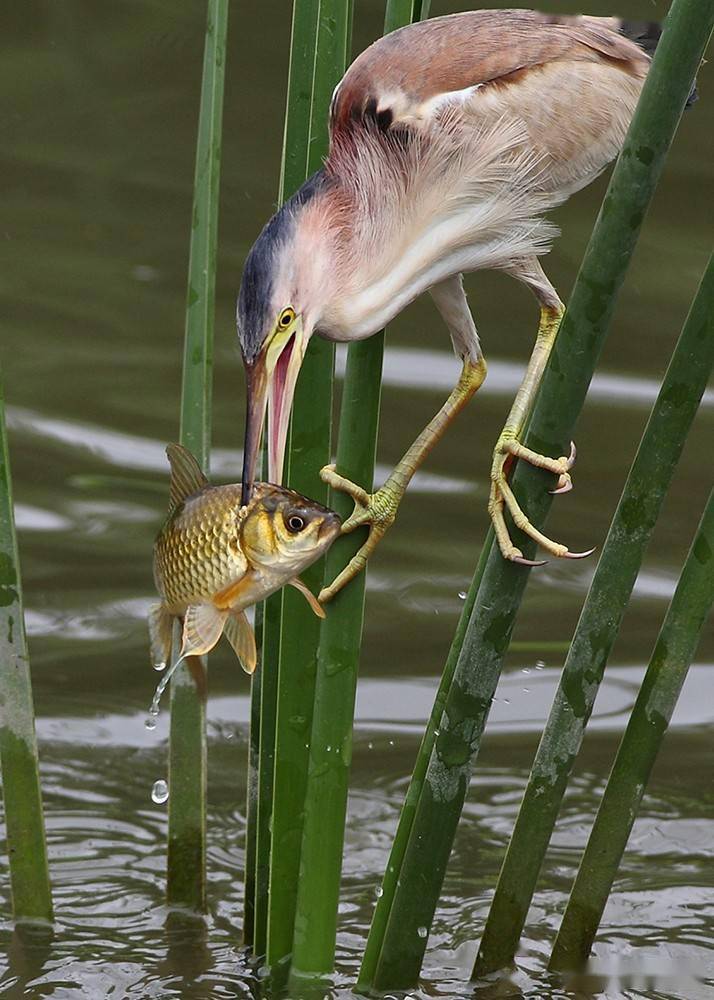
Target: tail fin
[647,34]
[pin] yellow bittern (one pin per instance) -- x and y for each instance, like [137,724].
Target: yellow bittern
[449,140]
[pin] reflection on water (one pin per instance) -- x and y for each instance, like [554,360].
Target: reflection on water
[97,166]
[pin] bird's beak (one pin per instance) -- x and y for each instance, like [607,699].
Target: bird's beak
[283,370]
[257,393]
[271,378]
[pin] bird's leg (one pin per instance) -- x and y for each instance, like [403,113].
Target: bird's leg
[379,509]
[508,448]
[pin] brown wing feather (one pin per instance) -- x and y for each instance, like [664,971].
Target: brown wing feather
[392,79]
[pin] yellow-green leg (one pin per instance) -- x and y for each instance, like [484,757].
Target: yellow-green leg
[379,509]
[508,448]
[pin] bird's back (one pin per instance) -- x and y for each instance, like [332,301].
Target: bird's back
[572,81]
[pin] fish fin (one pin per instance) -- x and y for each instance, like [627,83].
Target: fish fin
[160,623]
[231,594]
[186,475]
[297,583]
[239,633]
[202,628]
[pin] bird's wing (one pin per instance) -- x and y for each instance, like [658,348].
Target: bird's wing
[406,78]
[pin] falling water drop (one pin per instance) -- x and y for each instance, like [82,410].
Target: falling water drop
[379,892]
[422,932]
[159,792]
[462,595]
[150,723]
[540,665]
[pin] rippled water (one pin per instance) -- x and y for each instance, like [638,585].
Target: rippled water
[97,164]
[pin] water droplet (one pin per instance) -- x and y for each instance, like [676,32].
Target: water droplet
[150,723]
[391,743]
[159,792]
[462,595]
[525,670]
[422,932]
[161,665]
[540,665]
[527,690]
[506,701]
[379,892]
[370,746]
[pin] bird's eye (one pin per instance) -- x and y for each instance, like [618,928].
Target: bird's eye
[295,523]
[286,317]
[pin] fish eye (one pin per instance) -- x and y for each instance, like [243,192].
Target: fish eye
[287,316]
[295,523]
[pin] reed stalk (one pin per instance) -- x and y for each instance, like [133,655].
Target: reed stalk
[22,797]
[629,534]
[264,690]
[308,450]
[435,798]
[186,872]
[338,654]
[666,673]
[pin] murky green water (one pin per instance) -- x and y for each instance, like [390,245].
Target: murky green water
[98,129]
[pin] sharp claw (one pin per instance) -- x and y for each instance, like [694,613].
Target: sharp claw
[522,561]
[579,555]
[566,486]
[573,455]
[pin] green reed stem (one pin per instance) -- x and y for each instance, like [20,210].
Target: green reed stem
[309,450]
[667,671]
[422,847]
[265,690]
[186,883]
[629,534]
[338,656]
[24,821]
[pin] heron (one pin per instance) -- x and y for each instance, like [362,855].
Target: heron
[449,141]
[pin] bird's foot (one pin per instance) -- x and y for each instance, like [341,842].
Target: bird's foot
[377,510]
[502,498]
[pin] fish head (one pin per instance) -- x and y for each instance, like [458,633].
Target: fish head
[283,532]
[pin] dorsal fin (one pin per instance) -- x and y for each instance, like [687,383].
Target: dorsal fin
[186,475]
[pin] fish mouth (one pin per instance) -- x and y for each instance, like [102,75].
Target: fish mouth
[330,527]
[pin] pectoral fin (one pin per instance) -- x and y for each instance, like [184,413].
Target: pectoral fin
[239,633]
[160,634]
[297,583]
[202,628]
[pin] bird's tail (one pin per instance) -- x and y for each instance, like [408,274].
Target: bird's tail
[647,34]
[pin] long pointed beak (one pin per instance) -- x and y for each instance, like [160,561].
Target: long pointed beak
[257,390]
[281,390]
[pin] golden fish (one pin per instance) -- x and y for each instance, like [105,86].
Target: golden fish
[214,558]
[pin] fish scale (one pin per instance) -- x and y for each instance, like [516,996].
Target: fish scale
[198,551]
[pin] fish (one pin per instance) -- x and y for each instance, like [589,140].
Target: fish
[213,558]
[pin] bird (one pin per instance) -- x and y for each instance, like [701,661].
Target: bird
[450,140]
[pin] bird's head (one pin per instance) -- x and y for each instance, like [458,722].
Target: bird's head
[277,311]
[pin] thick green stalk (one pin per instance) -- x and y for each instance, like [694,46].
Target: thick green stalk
[338,656]
[497,589]
[667,671]
[186,883]
[309,450]
[630,531]
[24,822]
[264,695]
